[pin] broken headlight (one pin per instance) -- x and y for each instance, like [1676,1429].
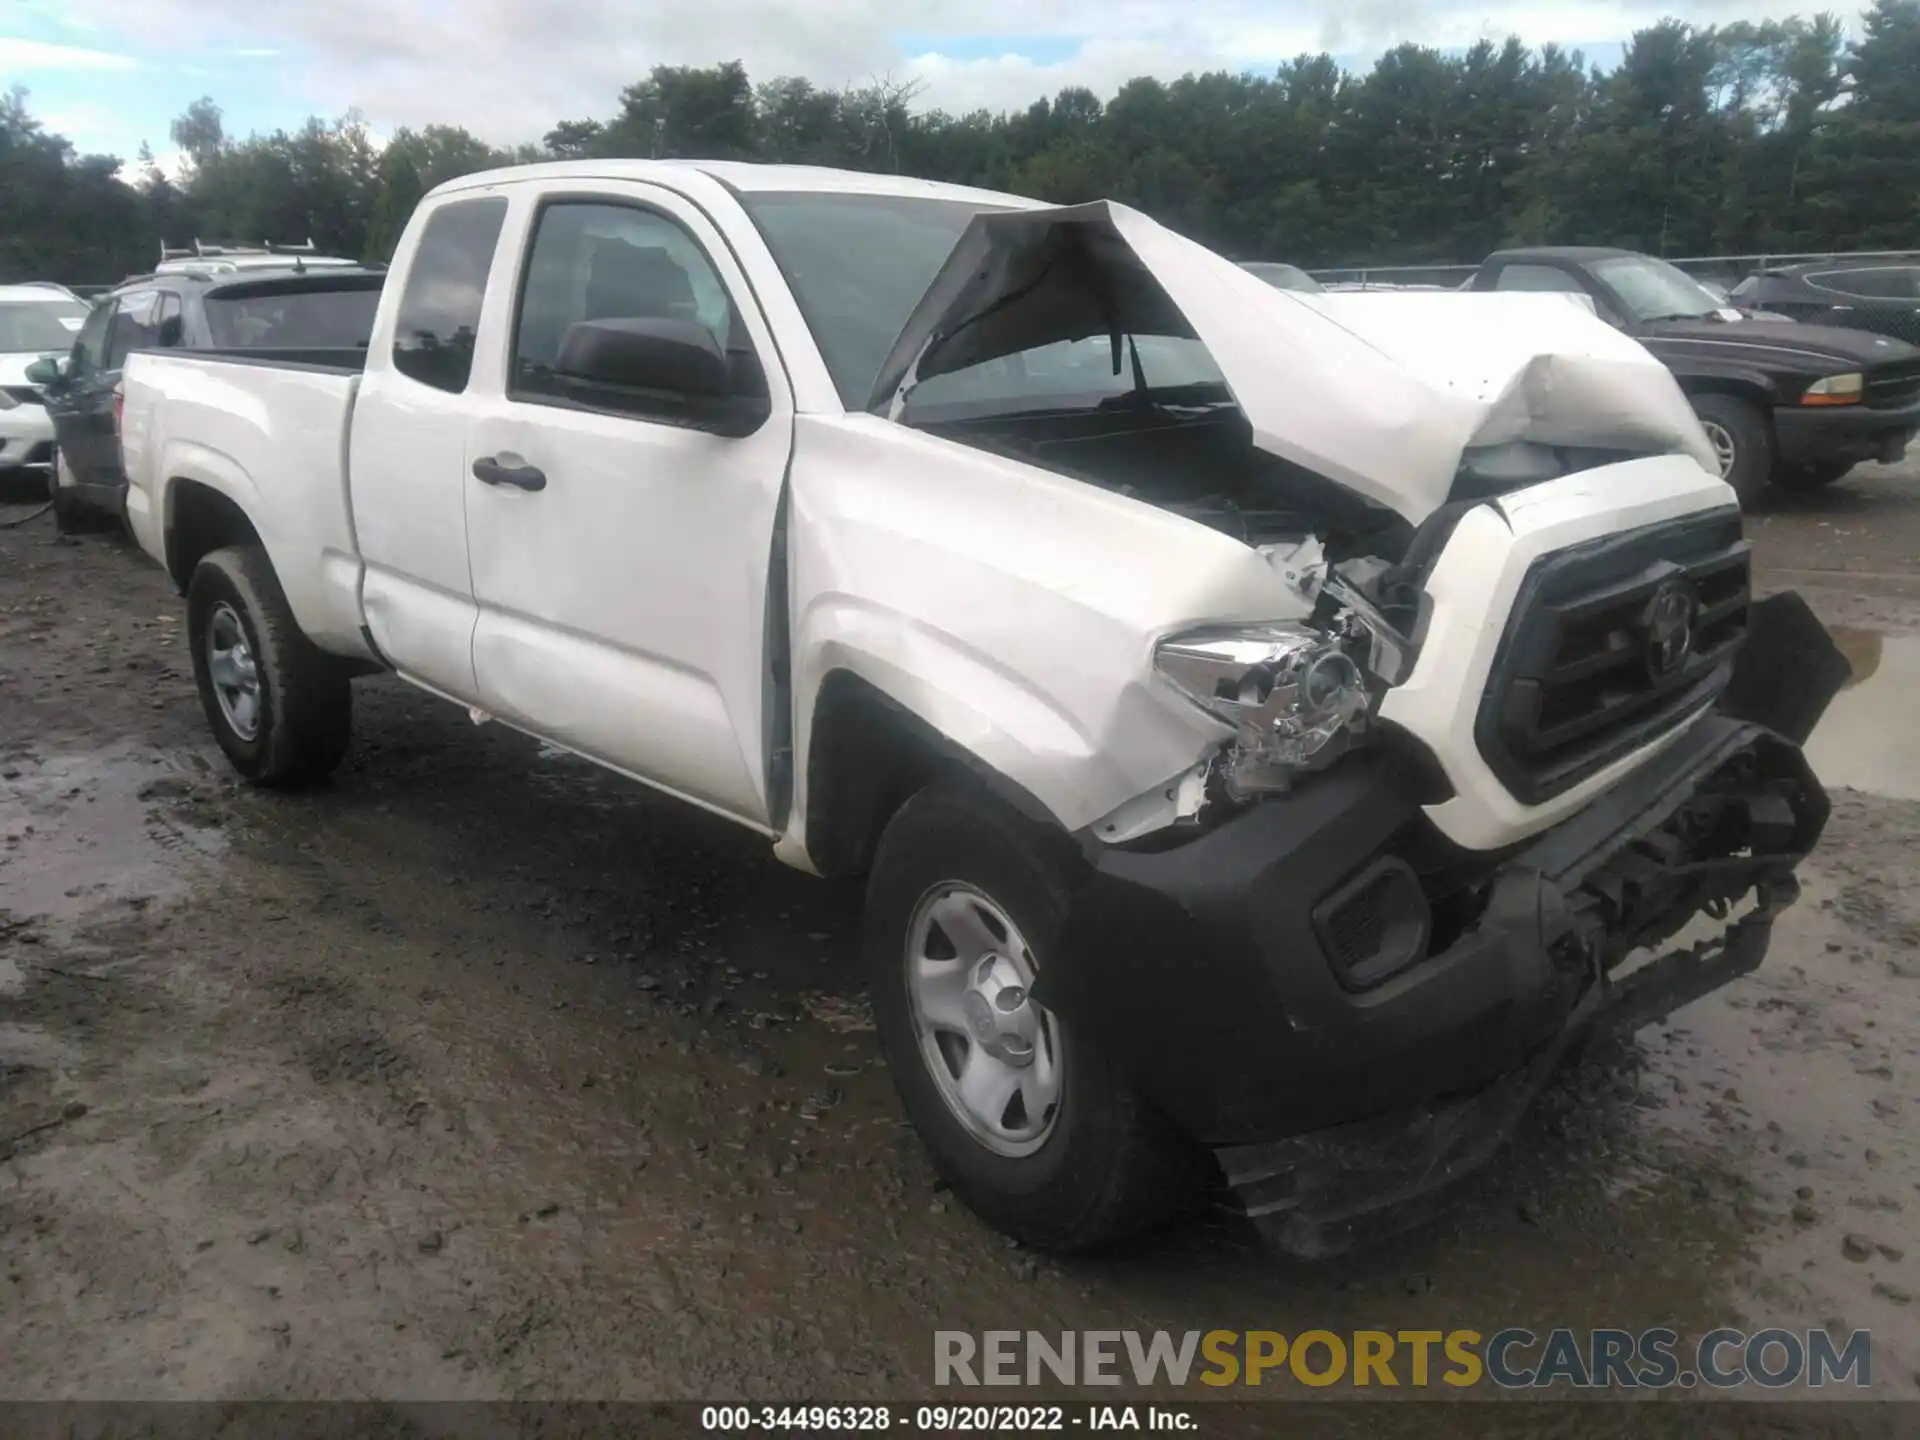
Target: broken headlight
[1295,697]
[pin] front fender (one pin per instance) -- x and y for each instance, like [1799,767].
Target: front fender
[1011,610]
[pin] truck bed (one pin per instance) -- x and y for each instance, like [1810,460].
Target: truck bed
[269,429]
[346,360]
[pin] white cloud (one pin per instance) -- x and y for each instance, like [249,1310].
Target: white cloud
[16,55]
[508,69]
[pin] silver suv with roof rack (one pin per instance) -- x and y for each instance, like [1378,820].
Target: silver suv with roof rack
[202,258]
[284,301]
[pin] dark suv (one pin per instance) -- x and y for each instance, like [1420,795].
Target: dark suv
[1793,405]
[277,308]
[1882,295]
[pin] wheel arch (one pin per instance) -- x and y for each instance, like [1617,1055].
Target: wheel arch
[202,518]
[867,754]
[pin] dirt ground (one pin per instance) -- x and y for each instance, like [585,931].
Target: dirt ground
[480,1074]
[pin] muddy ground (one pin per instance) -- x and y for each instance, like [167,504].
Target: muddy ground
[481,1074]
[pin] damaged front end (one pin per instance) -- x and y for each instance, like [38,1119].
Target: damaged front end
[1732,820]
[1382,1005]
[1330,438]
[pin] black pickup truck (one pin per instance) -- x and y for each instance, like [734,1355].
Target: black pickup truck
[1792,405]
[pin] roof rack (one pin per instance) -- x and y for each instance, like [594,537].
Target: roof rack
[205,250]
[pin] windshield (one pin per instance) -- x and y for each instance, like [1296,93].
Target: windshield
[299,320]
[1067,375]
[1654,290]
[858,264]
[40,325]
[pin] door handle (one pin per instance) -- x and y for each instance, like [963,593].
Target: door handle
[489,471]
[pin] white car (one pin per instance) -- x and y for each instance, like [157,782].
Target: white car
[35,320]
[1255,718]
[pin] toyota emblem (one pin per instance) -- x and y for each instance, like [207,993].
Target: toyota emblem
[1669,623]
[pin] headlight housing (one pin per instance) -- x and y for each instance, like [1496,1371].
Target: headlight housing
[1294,696]
[1835,390]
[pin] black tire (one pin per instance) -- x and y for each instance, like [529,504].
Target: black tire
[1110,1167]
[1747,428]
[304,717]
[1805,479]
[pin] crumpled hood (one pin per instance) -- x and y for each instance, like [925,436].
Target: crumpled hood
[1381,393]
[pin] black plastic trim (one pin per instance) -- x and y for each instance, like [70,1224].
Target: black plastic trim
[1559,585]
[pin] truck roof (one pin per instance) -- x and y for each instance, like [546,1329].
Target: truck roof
[739,176]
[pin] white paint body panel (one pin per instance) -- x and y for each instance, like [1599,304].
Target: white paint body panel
[621,612]
[271,440]
[1012,609]
[24,424]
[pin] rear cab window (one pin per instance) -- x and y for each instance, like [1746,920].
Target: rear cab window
[446,284]
[305,319]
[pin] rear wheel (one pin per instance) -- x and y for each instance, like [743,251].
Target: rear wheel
[1030,1125]
[281,709]
[1742,441]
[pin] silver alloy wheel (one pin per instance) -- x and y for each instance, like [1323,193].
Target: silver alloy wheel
[232,671]
[993,1054]
[1723,448]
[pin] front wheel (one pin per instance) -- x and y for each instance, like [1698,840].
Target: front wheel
[1027,1122]
[1742,442]
[281,709]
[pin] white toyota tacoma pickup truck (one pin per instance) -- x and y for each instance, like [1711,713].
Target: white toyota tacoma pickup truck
[1272,729]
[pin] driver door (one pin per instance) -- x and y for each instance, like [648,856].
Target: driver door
[623,597]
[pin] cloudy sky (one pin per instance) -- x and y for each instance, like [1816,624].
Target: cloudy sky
[112,73]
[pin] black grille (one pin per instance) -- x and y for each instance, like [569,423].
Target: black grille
[1893,387]
[1580,678]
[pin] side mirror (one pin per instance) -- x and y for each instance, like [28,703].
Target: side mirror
[47,371]
[668,370]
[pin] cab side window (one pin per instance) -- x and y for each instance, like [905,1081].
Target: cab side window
[595,261]
[446,284]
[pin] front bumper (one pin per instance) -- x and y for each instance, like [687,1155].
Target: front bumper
[1842,434]
[1211,975]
